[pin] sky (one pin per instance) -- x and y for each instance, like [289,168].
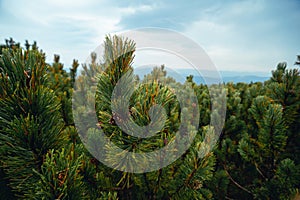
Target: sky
[248,36]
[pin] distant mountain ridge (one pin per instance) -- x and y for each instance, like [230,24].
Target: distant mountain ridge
[226,76]
[208,76]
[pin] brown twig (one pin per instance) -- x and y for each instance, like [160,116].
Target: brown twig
[236,183]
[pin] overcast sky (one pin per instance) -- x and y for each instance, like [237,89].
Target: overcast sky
[237,35]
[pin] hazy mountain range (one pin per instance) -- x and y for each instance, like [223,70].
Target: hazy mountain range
[208,76]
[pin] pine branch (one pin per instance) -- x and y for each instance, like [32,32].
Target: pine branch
[259,171]
[236,183]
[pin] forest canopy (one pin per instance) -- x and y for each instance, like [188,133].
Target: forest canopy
[43,156]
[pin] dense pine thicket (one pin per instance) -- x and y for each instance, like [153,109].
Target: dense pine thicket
[42,156]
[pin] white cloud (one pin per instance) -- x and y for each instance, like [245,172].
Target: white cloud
[70,28]
[54,23]
[134,9]
[237,35]
[245,35]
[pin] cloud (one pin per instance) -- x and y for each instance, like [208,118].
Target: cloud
[69,28]
[249,35]
[166,14]
[237,35]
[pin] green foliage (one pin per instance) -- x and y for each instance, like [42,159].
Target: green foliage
[30,119]
[284,88]
[60,176]
[61,83]
[188,173]
[42,155]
